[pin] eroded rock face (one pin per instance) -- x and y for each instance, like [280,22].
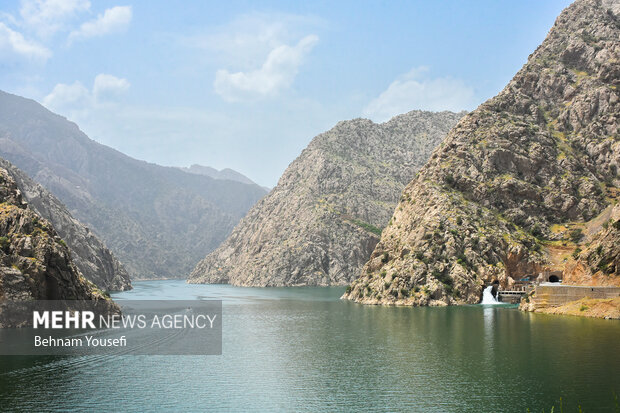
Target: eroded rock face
[545,150]
[323,219]
[34,261]
[599,262]
[90,255]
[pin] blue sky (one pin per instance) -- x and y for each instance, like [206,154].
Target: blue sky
[246,85]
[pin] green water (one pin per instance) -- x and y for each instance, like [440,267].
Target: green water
[302,349]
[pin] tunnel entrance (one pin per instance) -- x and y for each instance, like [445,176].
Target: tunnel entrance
[554,279]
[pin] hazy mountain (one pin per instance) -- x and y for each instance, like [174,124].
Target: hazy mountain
[226,174]
[158,221]
[321,222]
[89,254]
[514,184]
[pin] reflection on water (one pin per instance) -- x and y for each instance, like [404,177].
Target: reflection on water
[302,349]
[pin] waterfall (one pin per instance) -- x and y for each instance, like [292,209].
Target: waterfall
[487,296]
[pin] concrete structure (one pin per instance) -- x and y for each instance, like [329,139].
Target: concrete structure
[555,294]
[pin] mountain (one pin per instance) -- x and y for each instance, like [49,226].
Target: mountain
[225,174]
[515,181]
[321,222]
[158,221]
[35,263]
[89,254]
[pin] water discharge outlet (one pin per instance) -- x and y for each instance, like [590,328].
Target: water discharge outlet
[487,296]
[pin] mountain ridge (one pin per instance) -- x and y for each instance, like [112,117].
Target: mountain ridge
[223,174]
[322,220]
[541,153]
[159,221]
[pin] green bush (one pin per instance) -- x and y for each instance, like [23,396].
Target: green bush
[575,235]
[449,180]
[4,242]
[536,231]
[367,227]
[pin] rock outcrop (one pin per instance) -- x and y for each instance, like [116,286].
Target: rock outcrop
[321,222]
[159,221]
[90,255]
[598,263]
[544,151]
[35,263]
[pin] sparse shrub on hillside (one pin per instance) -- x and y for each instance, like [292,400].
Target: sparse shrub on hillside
[575,235]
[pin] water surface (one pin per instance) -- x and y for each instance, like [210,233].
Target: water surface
[303,349]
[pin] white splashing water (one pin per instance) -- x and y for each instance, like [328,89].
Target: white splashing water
[487,296]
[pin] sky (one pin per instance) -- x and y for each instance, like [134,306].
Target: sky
[245,84]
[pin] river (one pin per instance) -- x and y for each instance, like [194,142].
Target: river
[303,349]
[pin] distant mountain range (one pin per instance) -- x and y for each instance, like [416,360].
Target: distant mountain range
[321,222]
[159,221]
[225,174]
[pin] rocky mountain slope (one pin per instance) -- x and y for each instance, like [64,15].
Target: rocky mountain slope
[598,263]
[514,177]
[321,222]
[158,221]
[89,254]
[35,263]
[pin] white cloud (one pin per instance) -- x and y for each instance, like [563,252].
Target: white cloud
[246,40]
[43,18]
[113,20]
[75,100]
[277,73]
[414,91]
[108,86]
[68,97]
[47,17]
[14,43]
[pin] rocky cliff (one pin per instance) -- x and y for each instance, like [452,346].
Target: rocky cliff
[35,263]
[158,221]
[90,255]
[513,179]
[321,222]
[597,261]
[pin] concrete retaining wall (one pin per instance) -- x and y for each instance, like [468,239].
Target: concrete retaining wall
[556,295]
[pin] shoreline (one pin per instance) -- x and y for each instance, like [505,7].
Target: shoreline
[602,308]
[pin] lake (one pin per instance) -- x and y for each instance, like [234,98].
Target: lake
[303,349]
